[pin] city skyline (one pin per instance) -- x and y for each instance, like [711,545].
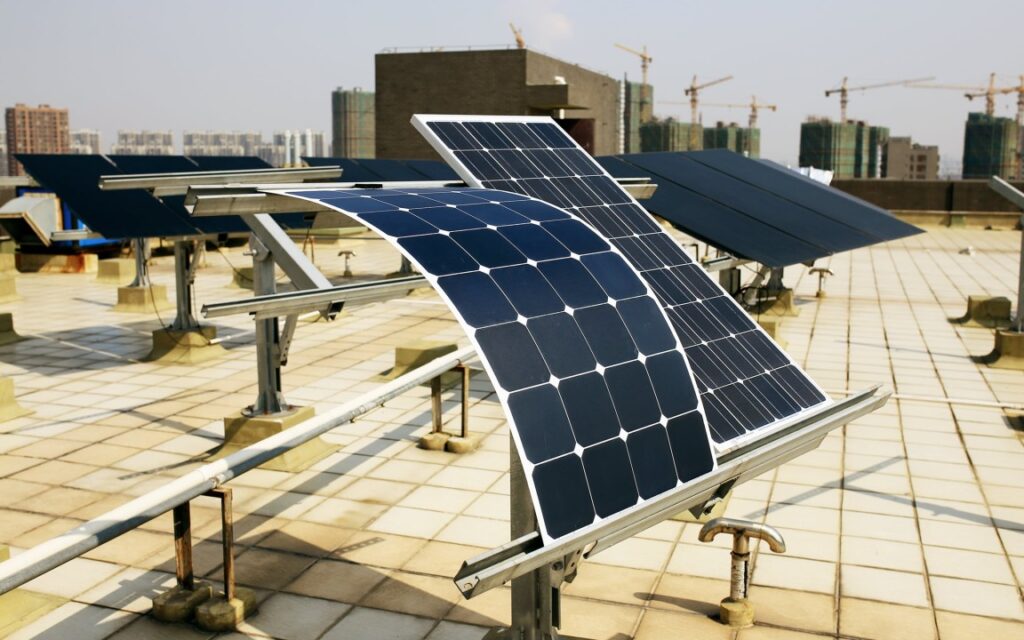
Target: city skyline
[785,53]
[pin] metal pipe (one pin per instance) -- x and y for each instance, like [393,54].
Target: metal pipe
[939,400]
[51,554]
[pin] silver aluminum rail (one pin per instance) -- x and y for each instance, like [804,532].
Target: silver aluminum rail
[519,557]
[51,554]
[163,184]
[282,304]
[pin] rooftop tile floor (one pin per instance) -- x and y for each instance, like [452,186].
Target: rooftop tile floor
[906,524]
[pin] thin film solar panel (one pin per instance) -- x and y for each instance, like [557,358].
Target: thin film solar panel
[747,384]
[603,408]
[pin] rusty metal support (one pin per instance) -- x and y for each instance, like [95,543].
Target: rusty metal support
[183,541]
[183,547]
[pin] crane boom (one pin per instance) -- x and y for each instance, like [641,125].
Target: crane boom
[645,62]
[988,92]
[844,91]
[518,33]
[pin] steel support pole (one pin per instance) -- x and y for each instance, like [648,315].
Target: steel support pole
[184,255]
[1020,282]
[269,399]
[535,601]
[141,247]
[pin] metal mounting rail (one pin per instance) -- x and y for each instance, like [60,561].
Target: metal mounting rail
[178,183]
[725,262]
[280,304]
[49,555]
[528,553]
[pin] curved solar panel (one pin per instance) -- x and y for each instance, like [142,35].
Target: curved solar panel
[747,384]
[602,406]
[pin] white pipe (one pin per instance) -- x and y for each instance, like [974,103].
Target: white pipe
[940,400]
[67,546]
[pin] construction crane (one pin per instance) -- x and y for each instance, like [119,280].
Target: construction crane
[753,105]
[972,91]
[692,91]
[991,93]
[518,33]
[844,91]
[645,62]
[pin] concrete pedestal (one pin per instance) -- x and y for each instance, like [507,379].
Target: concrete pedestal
[220,614]
[242,278]
[241,430]
[9,407]
[178,604]
[736,613]
[8,272]
[784,305]
[1008,352]
[185,347]
[985,311]
[7,333]
[771,326]
[19,608]
[119,271]
[148,299]
[48,263]
[416,354]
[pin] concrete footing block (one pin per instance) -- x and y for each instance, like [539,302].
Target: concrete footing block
[416,354]
[51,263]
[220,614]
[149,299]
[784,305]
[7,333]
[8,272]
[242,278]
[1008,352]
[242,430]
[985,311]
[185,347]
[178,604]
[772,326]
[458,444]
[434,441]
[736,613]
[119,271]
[9,407]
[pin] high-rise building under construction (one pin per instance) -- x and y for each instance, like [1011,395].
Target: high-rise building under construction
[851,149]
[735,138]
[636,110]
[353,123]
[991,147]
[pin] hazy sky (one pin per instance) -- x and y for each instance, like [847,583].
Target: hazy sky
[259,65]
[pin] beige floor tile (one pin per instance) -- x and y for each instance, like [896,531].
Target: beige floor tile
[147,628]
[72,578]
[338,581]
[75,620]
[883,527]
[662,625]
[378,549]
[456,631]
[417,523]
[883,554]
[636,553]
[293,617]
[980,598]
[597,620]
[130,590]
[688,594]
[959,536]
[269,569]
[417,595]
[884,621]
[480,532]
[971,565]
[439,499]
[794,609]
[958,626]
[883,585]
[772,570]
[343,513]
[384,624]
[306,538]
[772,633]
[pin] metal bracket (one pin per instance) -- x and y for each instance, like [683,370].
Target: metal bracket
[287,333]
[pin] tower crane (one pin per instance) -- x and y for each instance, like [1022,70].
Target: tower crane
[692,91]
[753,105]
[844,91]
[518,33]
[645,62]
[991,92]
[971,91]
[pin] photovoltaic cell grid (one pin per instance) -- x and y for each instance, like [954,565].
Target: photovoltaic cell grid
[745,381]
[602,406]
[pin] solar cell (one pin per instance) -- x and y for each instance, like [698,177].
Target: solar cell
[602,406]
[746,383]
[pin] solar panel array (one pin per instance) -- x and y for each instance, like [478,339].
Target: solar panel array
[756,209]
[136,213]
[746,382]
[602,405]
[371,170]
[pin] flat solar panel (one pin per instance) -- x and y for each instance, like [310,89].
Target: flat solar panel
[433,169]
[747,384]
[152,164]
[113,214]
[351,171]
[391,170]
[602,406]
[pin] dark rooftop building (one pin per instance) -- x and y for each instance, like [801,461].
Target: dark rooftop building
[491,82]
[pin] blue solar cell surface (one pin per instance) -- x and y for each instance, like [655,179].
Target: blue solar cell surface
[747,384]
[134,213]
[756,209]
[595,384]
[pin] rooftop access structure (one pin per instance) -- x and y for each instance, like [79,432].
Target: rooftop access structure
[634,387]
